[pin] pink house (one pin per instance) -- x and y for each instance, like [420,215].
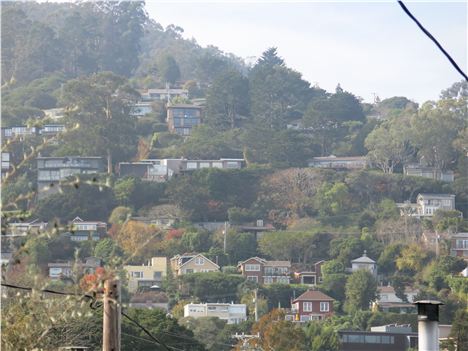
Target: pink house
[311,305]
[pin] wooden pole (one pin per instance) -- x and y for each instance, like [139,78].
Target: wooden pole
[111,317]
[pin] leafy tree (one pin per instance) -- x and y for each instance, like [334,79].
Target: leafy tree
[329,118]
[322,337]
[458,338]
[386,261]
[361,289]
[119,215]
[138,240]
[332,199]
[389,144]
[293,246]
[412,259]
[278,93]
[84,198]
[158,324]
[106,249]
[211,286]
[169,69]
[208,331]
[99,107]
[278,334]
[270,58]
[227,101]
[439,124]
[280,294]
[240,246]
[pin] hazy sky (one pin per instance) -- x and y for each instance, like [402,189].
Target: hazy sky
[367,47]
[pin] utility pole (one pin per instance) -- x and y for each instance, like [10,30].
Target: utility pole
[256,304]
[111,317]
[225,235]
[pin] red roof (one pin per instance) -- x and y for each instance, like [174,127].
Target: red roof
[313,295]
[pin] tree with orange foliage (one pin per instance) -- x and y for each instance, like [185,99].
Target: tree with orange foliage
[138,240]
[278,334]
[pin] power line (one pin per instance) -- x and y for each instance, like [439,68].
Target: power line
[165,347]
[425,31]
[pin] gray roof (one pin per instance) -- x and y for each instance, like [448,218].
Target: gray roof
[363,259]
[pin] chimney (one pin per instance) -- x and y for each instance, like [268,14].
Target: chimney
[428,325]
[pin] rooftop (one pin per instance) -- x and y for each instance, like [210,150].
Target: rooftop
[313,295]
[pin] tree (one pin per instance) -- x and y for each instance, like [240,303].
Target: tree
[211,286]
[389,144]
[458,338]
[169,69]
[158,323]
[86,197]
[227,100]
[361,289]
[438,123]
[98,119]
[412,259]
[138,240]
[208,331]
[333,199]
[277,93]
[119,215]
[294,246]
[278,334]
[330,117]
[106,249]
[322,337]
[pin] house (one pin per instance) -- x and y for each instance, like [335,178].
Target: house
[150,300]
[18,132]
[418,170]
[160,170]
[52,129]
[334,162]
[67,269]
[148,170]
[383,338]
[181,118]
[262,271]
[388,301]
[140,109]
[309,276]
[311,305]
[163,222]
[51,170]
[6,165]
[81,230]
[364,262]
[164,94]
[231,313]
[258,228]
[459,245]
[23,228]
[192,263]
[427,204]
[151,274]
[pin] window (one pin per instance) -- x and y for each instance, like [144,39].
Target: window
[188,270]
[157,275]
[199,261]
[282,280]
[267,280]
[307,306]
[252,268]
[137,274]
[253,278]
[305,318]
[231,164]
[324,306]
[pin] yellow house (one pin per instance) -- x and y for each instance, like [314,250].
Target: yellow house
[192,263]
[147,275]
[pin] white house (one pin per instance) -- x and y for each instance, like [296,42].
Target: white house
[231,313]
[427,204]
[364,262]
